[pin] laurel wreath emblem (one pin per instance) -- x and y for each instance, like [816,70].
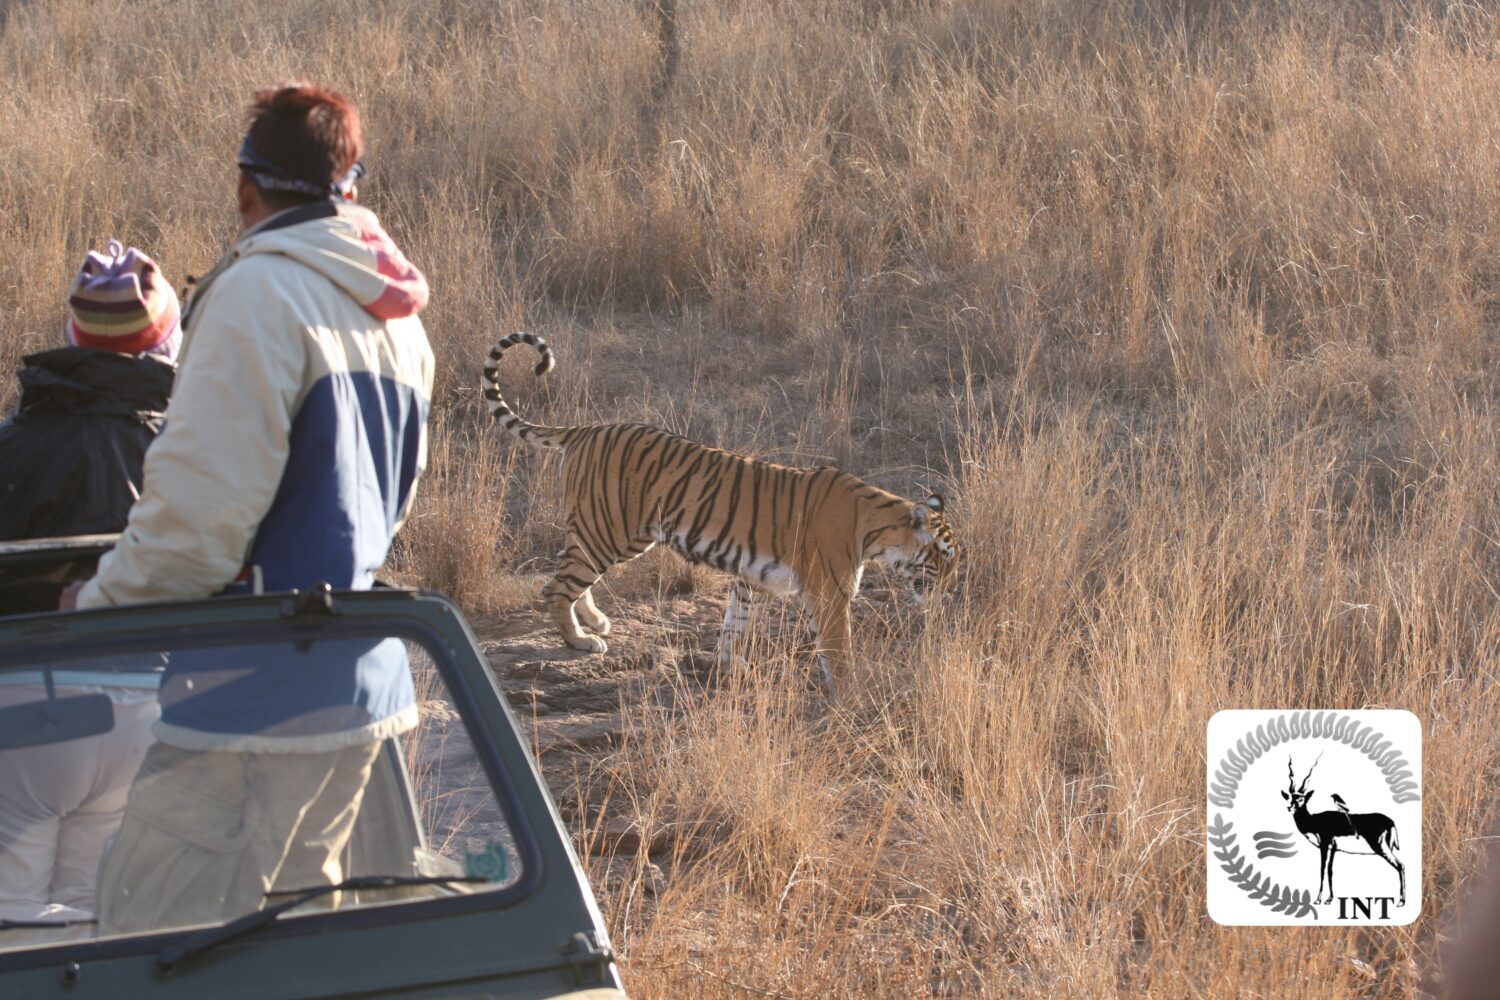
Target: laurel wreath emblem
[1261,887]
[1285,728]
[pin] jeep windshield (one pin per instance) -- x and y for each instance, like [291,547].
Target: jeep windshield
[175,778]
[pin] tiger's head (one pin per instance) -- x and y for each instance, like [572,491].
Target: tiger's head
[930,563]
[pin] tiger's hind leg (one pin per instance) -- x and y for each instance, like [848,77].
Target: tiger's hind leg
[568,593]
[558,595]
[579,571]
[593,619]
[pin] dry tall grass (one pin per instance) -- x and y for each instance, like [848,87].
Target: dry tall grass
[1192,308]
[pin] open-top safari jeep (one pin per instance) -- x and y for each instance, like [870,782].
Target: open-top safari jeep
[459,880]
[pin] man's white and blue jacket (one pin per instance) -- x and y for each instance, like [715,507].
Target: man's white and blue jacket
[293,443]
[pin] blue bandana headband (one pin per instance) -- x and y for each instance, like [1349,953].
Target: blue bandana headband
[274,177]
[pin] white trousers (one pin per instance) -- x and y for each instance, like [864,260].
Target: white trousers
[59,804]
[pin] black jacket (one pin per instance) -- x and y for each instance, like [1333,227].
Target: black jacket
[71,456]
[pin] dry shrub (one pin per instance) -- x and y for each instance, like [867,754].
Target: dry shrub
[460,540]
[1017,792]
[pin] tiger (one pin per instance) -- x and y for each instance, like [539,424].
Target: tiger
[788,531]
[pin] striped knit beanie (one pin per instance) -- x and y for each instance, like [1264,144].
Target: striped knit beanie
[122,303]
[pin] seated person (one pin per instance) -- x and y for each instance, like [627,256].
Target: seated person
[70,461]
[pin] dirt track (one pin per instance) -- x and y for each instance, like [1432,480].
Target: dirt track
[576,707]
[571,704]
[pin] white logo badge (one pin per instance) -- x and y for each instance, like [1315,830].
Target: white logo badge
[1314,817]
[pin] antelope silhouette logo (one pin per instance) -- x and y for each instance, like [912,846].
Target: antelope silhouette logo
[1341,830]
[1259,857]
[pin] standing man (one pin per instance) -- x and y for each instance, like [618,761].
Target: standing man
[292,446]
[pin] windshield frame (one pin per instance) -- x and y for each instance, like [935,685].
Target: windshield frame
[425,618]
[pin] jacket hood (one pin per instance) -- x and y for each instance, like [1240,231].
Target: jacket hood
[345,243]
[85,380]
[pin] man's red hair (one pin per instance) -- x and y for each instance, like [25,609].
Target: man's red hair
[312,133]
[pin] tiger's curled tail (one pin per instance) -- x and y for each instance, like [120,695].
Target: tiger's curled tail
[500,410]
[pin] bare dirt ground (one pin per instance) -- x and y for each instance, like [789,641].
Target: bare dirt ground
[576,708]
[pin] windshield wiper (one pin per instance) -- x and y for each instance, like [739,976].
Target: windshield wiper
[180,951]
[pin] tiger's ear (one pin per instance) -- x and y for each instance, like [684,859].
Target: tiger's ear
[935,501]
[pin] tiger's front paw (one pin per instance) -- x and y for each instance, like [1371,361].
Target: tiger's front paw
[728,658]
[828,680]
[588,644]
